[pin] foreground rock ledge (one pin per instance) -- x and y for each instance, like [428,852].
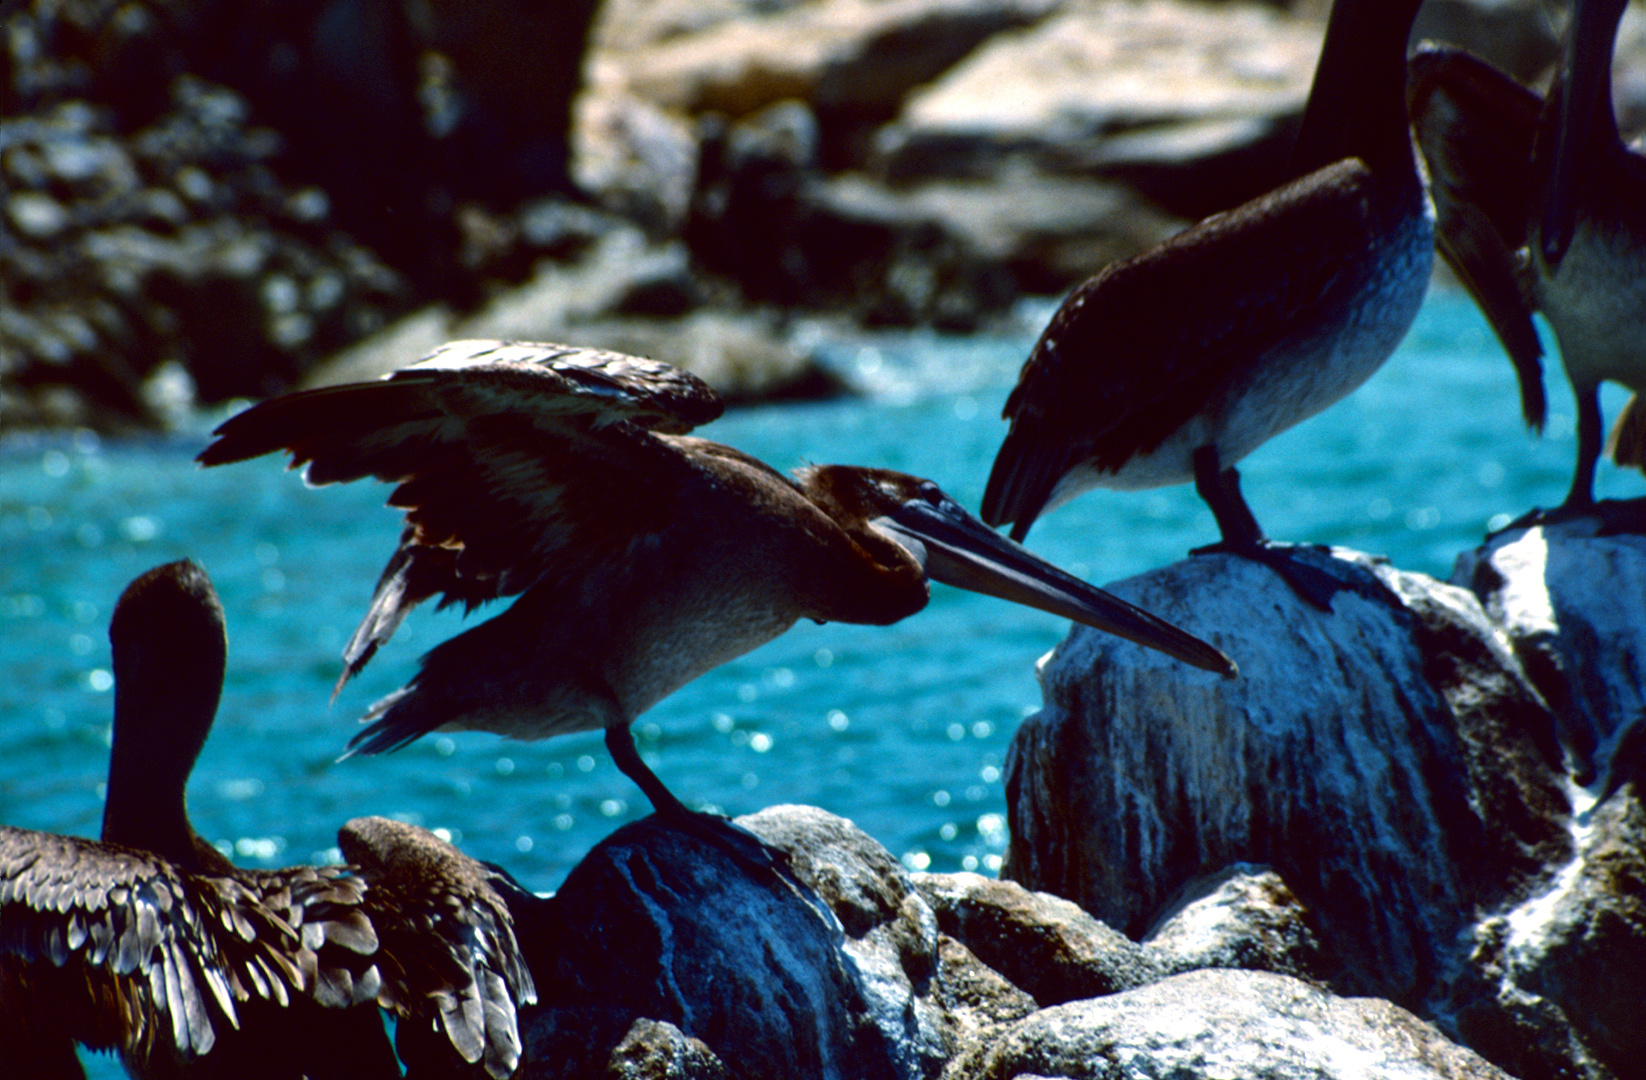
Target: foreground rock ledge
[666,954]
[1365,857]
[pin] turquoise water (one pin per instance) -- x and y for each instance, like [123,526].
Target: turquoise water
[902,729]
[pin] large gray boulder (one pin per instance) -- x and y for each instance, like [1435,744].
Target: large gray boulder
[1397,765]
[1206,1025]
[1388,759]
[674,954]
[830,965]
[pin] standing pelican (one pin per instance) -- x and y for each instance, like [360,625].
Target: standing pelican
[1542,208]
[151,943]
[642,557]
[1176,364]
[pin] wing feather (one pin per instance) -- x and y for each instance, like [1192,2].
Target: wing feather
[450,957]
[504,455]
[1477,128]
[172,953]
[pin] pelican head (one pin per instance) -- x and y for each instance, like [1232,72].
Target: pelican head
[951,545]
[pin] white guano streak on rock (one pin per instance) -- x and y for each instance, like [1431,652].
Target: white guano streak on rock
[1530,922]
[888,993]
[1525,596]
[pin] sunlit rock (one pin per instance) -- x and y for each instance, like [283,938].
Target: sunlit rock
[1570,601]
[1241,917]
[1043,943]
[1208,1024]
[1178,96]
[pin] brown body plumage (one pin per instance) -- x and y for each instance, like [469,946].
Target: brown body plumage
[1173,365]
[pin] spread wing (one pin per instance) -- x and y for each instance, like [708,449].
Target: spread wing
[175,954]
[1135,351]
[450,959]
[1477,127]
[509,459]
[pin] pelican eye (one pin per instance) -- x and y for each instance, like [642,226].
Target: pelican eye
[932,493]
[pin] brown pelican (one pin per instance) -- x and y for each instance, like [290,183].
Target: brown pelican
[1542,208]
[642,557]
[1177,363]
[150,942]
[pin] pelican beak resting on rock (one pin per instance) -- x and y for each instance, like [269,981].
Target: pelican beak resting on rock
[641,557]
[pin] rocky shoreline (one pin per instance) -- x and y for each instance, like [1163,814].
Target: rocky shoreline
[1409,842]
[206,201]
[1370,856]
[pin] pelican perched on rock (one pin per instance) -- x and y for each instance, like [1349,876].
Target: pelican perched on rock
[1542,208]
[1176,364]
[151,943]
[641,557]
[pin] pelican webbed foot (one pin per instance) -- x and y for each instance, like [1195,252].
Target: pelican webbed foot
[1614,517]
[1315,582]
[748,851]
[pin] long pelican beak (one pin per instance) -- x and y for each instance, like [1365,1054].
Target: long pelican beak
[958,549]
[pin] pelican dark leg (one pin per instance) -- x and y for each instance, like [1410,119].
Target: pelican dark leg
[620,744]
[1243,536]
[1220,489]
[743,846]
[1589,438]
[1580,500]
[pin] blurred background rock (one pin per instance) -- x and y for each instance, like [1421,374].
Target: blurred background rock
[206,200]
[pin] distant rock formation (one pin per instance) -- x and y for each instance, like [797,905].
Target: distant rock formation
[1366,857]
[207,199]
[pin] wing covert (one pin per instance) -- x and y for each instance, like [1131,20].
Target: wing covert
[180,953]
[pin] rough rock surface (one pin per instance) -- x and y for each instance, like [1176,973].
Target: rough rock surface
[1218,1023]
[676,955]
[1243,916]
[1355,784]
[1407,789]
[834,968]
[1045,945]
[1569,599]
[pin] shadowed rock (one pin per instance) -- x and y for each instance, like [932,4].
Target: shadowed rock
[831,968]
[1397,769]
[1390,763]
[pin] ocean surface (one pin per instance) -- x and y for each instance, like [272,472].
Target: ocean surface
[902,729]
